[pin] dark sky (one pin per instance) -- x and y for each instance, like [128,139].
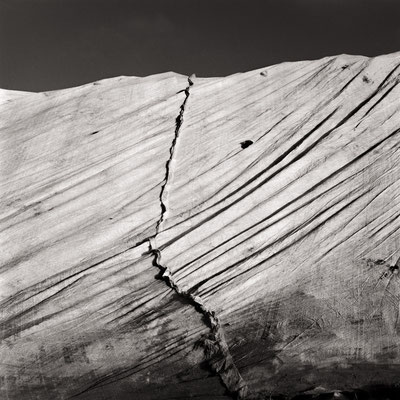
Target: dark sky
[51,44]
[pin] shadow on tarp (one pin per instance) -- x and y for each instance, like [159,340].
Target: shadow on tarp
[373,392]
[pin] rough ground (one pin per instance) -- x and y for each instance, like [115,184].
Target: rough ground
[170,237]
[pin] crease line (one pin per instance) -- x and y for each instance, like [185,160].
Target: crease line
[214,344]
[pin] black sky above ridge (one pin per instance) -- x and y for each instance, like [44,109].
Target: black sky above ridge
[53,44]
